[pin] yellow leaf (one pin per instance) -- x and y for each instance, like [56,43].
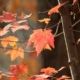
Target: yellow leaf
[46,20]
[4,43]
[11,40]
[13,44]
[8,52]
[15,53]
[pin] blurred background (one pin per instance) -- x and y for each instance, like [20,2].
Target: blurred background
[18,6]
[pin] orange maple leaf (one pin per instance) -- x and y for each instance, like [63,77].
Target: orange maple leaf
[55,9]
[15,53]
[41,39]
[48,70]
[9,40]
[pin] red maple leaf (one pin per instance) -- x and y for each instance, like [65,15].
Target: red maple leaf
[55,9]
[16,70]
[41,39]
[8,17]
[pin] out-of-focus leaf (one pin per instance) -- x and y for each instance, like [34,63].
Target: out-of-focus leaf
[64,77]
[46,20]
[24,16]
[55,9]
[8,17]
[9,40]
[39,77]
[19,27]
[15,53]
[48,70]
[3,32]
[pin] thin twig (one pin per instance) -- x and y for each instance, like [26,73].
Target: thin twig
[13,40]
[58,34]
[54,25]
[75,23]
[44,11]
[48,23]
[17,50]
[49,3]
[57,28]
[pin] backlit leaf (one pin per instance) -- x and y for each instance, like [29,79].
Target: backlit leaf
[8,17]
[48,70]
[39,77]
[3,32]
[55,9]
[16,70]
[11,40]
[15,53]
[24,16]
[64,77]
[46,20]
[19,27]
[40,38]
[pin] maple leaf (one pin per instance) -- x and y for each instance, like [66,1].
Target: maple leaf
[8,17]
[17,70]
[55,9]
[19,27]
[46,20]
[41,38]
[24,16]
[39,77]
[6,28]
[64,77]
[48,70]
[15,53]
[22,68]
[9,40]
[14,24]
[3,32]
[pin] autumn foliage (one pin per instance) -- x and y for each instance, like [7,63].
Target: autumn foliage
[40,40]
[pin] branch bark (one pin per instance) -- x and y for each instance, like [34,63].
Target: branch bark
[69,41]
